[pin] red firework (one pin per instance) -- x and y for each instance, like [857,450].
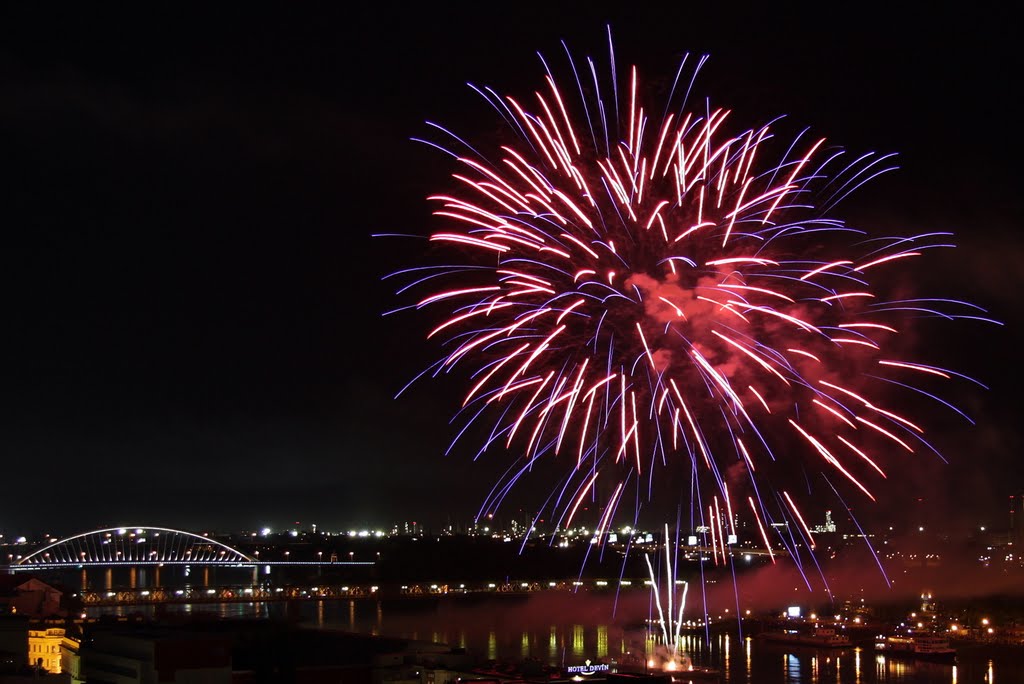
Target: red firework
[670,293]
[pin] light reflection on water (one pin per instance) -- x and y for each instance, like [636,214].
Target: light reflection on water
[577,641]
[496,632]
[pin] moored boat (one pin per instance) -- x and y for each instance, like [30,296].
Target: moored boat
[920,645]
[820,637]
[697,673]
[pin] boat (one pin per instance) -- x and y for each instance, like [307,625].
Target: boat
[820,637]
[696,673]
[919,645]
[679,675]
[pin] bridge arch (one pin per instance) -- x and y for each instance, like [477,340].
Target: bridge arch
[142,545]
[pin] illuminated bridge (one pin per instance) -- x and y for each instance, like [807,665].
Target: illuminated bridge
[132,546]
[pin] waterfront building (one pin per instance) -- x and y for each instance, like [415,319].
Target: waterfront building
[29,596]
[44,647]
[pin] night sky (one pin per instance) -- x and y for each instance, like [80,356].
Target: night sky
[192,298]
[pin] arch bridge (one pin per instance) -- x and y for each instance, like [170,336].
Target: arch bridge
[133,546]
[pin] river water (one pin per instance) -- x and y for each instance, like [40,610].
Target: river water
[566,630]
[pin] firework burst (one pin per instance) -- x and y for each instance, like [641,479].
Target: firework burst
[636,294]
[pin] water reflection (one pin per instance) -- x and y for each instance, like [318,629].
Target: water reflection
[791,668]
[496,633]
[725,649]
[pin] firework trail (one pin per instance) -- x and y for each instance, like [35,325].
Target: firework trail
[669,653]
[634,295]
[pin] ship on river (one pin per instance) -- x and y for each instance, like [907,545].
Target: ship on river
[819,637]
[918,645]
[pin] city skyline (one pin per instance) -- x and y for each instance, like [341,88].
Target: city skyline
[196,315]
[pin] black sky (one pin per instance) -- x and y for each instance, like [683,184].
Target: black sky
[192,300]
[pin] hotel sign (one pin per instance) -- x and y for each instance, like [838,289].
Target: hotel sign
[587,668]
